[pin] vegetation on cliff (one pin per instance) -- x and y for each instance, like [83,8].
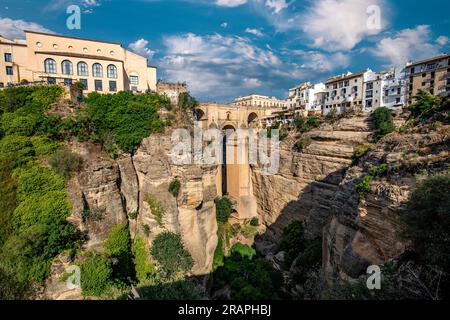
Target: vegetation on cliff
[33,227]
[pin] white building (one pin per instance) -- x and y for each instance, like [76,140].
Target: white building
[346,92]
[307,97]
[384,89]
[393,88]
[255,100]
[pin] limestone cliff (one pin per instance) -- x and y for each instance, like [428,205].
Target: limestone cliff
[105,192]
[305,185]
[366,232]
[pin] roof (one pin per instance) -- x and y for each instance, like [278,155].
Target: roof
[440,57]
[78,55]
[68,37]
[350,76]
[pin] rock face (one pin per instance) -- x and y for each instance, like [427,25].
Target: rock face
[107,191]
[366,232]
[305,185]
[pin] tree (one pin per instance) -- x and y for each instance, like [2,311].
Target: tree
[383,122]
[96,272]
[172,257]
[224,207]
[425,103]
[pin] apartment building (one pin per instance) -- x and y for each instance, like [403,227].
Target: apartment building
[56,59]
[372,91]
[259,101]
[393,89]
[345,92]
[307,97]
[432,75]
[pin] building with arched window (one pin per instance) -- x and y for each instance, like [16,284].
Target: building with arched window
[101,66]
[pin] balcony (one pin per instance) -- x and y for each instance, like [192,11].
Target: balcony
[445,76]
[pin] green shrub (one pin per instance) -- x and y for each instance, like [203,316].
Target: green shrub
[174,187]
[379,171]
[65,162]
[93,214]
[96,274]
[123,119]
[146,229]
[363,187]
[145,270]
[254,222]
[425,104]
[187,102]
[169,252]
[156,208]
[383,122]
[248,231]
[219,255]
[133,215]
[178,290]
[243,250]
[224,208]
[293,241]
[44,146]
[427,221]
[361,151]
[302,143]
[118,245]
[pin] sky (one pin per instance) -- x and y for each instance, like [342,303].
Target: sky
[229,48]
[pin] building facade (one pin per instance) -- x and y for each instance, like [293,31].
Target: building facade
[345,92]
[432,75]
[101,66]
[259,101]
[308,97]
[393,89]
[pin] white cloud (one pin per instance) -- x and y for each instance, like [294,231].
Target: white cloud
[276,5]
[442,40]
[224,25]
[256,32]
[230,3]
[408,44]
[140,47]
[12,29]
[340,24]
[252,83]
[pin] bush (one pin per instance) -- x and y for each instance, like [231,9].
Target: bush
[303,143]
[383,122]
[219,255]
[254,222]
[146,229]
[121,119]
[425,104]
[145,270]
[169,252]
[379,171]
[363,187]
[179,290]
[293,241]
[243,250]
[96,273]
[361,151]
[65,162]
[174,187]
[427,221]
[93,214]
[187,102]
[133,215]
[224,208]
[157,210]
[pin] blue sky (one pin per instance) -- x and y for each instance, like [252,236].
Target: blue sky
[227,48]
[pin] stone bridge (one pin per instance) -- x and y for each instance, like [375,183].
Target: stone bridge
[234,180]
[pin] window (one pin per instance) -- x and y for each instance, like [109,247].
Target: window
[50,66]
[85,83]
[51,80]
[82,69]
[113,86]
[67,81]
[97,70]
[412,70]
[112,71]
[134,80]
[8,57]
[2,85]
[98,85]
[66,67]
[424,75]
[9,71]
